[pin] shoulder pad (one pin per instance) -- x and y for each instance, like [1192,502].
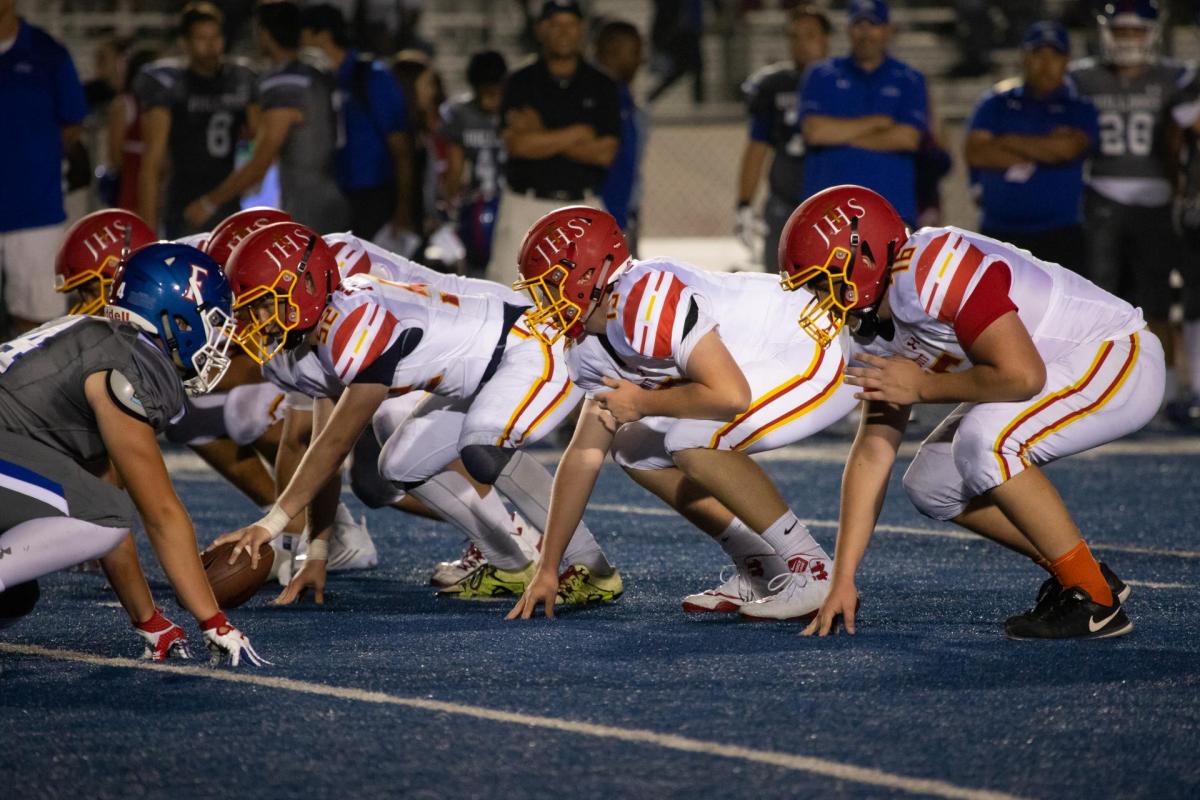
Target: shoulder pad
[122,393]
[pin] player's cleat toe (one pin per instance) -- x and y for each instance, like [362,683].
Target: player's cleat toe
[733,593]
[489,582]
[795,597]
[448,573]
[578,586]
[1051,589]
[1072,615]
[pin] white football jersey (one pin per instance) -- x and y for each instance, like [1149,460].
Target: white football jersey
[659,309]
[938,270]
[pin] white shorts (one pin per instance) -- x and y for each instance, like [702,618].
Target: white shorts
[250,409]
[1093,395]
[368,485]
[797,393]
[530,395]
[27,265]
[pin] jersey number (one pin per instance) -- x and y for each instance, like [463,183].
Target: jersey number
[1119,137]
[219,136]
[11,352]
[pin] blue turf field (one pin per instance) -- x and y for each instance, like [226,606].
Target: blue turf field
[928,690]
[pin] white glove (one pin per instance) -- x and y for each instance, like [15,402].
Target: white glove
[748,228]
[445,246]
[227,643]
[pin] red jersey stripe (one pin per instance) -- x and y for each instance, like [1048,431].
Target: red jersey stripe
[666,320]
[632,303]
[381,340]
[926,261]
[958,284]
[345,332]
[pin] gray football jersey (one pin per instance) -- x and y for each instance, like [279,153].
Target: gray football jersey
[478,133]
[42,375]
[1133,117]
[307,184]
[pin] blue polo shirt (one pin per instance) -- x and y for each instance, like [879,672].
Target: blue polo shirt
[39,94]
[617,191]
[1041,197]
[838,87]
[363,158]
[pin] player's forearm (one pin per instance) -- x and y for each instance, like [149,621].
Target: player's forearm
[250,174]
[864,486]
[149,180]
[694,400]
[573,483]
[1053,148]
[982,383]
[400,146]
[895,138]
[989,154]
[174,543]
[596,151]
[824,131]
[753,157]
[126,578]
[323,459]
[322,511]
[536,144]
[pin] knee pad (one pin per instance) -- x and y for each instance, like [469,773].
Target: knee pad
[17,601]
[485,462]
[933,484]
[370,487]
[637,447]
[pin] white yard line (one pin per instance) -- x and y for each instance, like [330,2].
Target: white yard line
[810,764]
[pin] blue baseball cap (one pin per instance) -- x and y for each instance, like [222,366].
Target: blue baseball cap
[1047,34]
[873,11]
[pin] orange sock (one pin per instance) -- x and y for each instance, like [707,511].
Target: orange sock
[1078,568]
[1044,564]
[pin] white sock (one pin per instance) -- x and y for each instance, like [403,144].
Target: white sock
[1191,343]
[790,538]
[453,496]
[38,547]
[753,557]
[526,483]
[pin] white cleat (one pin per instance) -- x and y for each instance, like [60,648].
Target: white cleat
[733,593]
[795,596]
[448,573]
[351,546]
[529,538]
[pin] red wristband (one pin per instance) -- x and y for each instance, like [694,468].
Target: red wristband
[215,621]
[156,624]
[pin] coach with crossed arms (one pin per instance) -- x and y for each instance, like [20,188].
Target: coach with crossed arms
[562,123]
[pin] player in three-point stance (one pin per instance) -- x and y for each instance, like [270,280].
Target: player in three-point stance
[1044,363]
[686,373]
[493,388]
[81,394]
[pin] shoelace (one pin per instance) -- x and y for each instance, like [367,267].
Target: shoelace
[794,580]
[745,591]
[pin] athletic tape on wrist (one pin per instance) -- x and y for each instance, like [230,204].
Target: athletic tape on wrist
[275,521]
[318,550]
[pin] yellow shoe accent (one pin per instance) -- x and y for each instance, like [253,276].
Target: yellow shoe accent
[578,586]
[490,582]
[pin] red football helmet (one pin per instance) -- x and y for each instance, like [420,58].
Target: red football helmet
[231,230]
[839,244]
[91,252]
[281,277]
[567,259]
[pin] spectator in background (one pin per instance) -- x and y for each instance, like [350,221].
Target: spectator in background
[1184,410]
[1026,145]
[862,115]
[297,126]
[475,156]
[111,67]
[43,108]
[125,144]
[678,50]
[772,97]
[194,110]
[562,120]
[619,53]
[374,158]
[423,86]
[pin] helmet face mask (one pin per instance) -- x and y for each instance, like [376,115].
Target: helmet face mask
[553,315]
[265,316]
[1130,32]
[211,360]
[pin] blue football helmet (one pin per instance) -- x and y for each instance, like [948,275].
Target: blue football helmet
[180,296]
[1129,32]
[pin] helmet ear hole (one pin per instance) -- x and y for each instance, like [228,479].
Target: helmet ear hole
[310,285]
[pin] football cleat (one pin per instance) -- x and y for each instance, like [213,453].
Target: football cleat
[1051,589]
[489,582]
[1071,615]
[448,573]
[351,546]
[733,593]
[795,596]
[577,586]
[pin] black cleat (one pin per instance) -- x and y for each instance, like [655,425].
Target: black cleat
[1072,615]
[1051,589]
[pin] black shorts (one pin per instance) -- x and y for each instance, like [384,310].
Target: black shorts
[1131,251]
[38,482]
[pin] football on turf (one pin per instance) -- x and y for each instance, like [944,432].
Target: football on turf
[234,584]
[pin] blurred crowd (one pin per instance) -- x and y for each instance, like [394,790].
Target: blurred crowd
[343,122]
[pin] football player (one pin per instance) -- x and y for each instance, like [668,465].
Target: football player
[493,387]
[686,373]
[81,393]
[1044,363]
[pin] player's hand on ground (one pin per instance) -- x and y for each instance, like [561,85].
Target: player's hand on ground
[542,589]
[622,402]
[841,603]
[311,576]
[227,645]
[888,380]
[246,540]
[163,638]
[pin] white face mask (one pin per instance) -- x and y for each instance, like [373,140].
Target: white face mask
[1130,51]
[212,360]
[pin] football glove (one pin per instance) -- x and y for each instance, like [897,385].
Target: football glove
[748,228]
[163,638]
[227,644]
